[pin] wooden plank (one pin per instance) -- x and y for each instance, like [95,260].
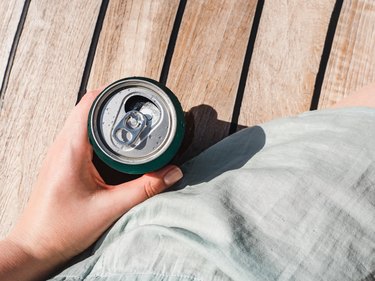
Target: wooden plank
[206,66]
[10,13]
[285,60]
[42,89]
[133,40]
[352,58]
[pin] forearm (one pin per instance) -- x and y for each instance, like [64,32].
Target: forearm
[17,264]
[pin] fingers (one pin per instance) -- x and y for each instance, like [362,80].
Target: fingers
[123,197]
[81,111]
[75,128]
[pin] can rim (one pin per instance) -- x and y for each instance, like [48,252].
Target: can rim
[107,94]
[166,154]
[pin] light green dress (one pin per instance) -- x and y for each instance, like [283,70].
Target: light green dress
[292,199]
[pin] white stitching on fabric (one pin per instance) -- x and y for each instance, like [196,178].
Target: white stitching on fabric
[191,278]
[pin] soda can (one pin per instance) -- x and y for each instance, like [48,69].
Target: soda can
[136,125]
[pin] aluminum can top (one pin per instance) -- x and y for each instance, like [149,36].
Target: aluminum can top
[133,121]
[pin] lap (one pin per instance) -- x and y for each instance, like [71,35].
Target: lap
[292,199]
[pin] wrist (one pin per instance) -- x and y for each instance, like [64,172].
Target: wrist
[18,262]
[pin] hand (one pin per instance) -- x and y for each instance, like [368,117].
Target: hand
[70,205]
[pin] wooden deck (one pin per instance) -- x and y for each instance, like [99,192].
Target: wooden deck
[232,63]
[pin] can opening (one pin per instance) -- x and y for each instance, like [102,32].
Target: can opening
[144,105]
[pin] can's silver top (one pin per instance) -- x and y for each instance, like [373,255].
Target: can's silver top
[133,121]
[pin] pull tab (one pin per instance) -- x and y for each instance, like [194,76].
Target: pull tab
[130,127]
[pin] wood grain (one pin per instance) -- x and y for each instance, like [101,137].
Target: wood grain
[42,89]
[206,66]
[10,13]
[352,58]
[133,40]
[285,60]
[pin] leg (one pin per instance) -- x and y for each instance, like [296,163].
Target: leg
[362,97]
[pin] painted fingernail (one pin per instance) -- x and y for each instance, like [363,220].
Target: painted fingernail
[173,176]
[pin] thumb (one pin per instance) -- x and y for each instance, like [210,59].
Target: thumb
[123,197]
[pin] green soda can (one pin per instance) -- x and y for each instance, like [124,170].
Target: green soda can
[136,125]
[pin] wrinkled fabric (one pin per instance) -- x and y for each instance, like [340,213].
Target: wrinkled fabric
[292,199]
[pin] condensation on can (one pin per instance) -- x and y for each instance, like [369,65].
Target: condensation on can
[136,125]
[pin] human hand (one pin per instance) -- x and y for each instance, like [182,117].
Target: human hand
[70,205]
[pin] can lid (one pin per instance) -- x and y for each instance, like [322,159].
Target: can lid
[133,122]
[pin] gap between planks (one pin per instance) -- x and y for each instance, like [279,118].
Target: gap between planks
[41,73]
[285,60]
[351,63]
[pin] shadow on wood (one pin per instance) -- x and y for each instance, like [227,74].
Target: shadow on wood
[200,121]
[203,129]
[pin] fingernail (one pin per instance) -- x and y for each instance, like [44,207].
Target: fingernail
[173,176]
